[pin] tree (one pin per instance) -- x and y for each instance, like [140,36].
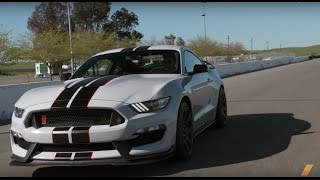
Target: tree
[49,24]
[91,15]
[87,43]
[170,39]
[206,46]
[180,42]
[9,51]
[23,46]
[4,46]
[50,47]
[123,23]
[152,41]
[49,16]
[237,48]
[136,35]
[209,47]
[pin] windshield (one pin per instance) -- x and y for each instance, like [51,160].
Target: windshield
[135,62]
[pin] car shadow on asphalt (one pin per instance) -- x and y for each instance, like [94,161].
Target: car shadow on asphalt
[247,137]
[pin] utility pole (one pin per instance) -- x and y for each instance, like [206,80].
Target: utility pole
[69,22]
[205,28]
[251,48]
[228,38]
[204,21]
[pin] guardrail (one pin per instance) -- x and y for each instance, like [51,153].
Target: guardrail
[9,94]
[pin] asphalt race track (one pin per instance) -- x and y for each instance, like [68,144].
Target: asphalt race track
[273,130]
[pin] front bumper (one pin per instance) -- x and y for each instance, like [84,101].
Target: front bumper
[120,136]
[135,160]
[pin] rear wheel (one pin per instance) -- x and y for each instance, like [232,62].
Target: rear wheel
[184,134]
[222,112]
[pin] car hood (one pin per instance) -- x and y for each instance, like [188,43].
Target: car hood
[127,89]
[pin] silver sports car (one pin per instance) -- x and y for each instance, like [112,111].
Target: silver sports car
[122,106]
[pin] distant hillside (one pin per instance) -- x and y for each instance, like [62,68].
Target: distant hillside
[298,51]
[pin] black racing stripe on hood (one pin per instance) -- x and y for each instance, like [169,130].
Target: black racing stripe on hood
[63,99]
[127,49]
[83,97]
[142,48]
[103,81]
[85,94]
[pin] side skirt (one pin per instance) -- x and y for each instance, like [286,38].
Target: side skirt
[203,127]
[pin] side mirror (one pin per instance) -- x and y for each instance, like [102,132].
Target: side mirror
[65,76]
[208,64]
[200,68]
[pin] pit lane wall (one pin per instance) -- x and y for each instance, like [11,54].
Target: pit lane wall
[9,94]
[227,70]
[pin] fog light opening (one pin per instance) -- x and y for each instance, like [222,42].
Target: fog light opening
[17,135]
[116,119]
[150,129]
[19,140]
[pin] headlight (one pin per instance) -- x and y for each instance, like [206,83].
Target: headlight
[149,106]
[18,112]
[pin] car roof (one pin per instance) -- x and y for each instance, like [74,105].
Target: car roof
[155,47]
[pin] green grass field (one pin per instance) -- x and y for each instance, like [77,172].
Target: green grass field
[23,68]
[23,65]
[298,51]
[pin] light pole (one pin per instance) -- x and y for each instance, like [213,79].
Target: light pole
[228,38]
[204,21]
[205,28]
[267,45]
[69,22]
[251,48]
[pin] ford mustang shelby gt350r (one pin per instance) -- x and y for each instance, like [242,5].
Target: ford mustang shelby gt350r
[122,106]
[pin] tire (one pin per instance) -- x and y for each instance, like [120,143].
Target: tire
[222,111]
[184,134]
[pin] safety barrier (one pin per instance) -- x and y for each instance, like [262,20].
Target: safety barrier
[227,70]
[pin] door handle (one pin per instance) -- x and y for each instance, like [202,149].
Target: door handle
[209,80]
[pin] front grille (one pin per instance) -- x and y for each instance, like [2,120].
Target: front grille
[74,147]
[72,117]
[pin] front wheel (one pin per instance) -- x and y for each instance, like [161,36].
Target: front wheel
[184,134]
[222,113]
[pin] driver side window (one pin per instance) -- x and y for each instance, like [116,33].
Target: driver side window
[100,68]
[190,61]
